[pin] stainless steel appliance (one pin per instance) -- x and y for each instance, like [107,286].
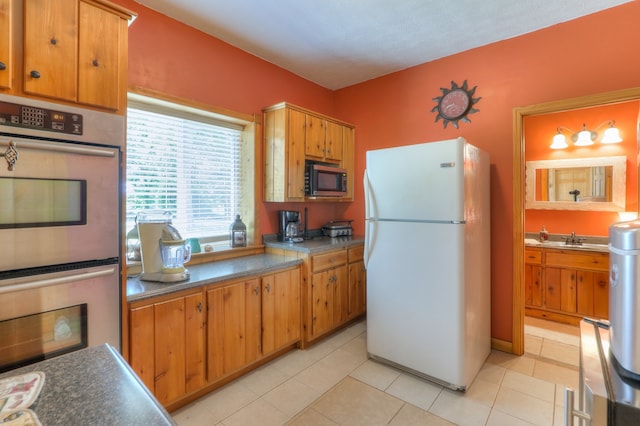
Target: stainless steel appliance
[59,221]
[289,226]
[164,252]
[427,258]
[338,228]
[322,180]
[624,296]
[605,396]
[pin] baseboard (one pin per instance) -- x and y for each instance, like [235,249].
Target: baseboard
[501,345]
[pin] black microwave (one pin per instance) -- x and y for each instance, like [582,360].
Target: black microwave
[324,181]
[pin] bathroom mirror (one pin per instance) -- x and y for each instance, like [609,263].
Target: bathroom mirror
[595,184]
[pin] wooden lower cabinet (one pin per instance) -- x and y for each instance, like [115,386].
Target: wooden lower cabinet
[184,345]
[167,345]
[566,285]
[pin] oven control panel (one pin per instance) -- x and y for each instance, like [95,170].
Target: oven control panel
[30,117]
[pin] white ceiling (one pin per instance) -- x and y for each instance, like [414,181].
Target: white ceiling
[337,43]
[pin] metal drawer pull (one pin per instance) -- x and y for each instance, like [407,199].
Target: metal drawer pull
[11,155]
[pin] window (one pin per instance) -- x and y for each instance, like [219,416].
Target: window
[189,162]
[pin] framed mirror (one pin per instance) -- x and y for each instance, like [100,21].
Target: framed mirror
[593,184]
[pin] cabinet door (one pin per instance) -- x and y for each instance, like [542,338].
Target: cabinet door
[5,43]
[585,289]
[295,155]
[357,289]
[315,136]
[552,288]
[169,336]
[333,141]
[280,310]
[601,295]
[233,327]
[568,282]
[50,48]
[533,285]
[340,283]
[322,302]
[348,158]
[195,335]
[142,344]
[98,56]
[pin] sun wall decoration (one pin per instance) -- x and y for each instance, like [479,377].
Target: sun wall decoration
[455,104]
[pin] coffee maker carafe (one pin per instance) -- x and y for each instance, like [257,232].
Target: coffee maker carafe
[164,251]
[289,226]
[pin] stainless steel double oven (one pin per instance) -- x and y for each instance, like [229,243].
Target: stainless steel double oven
[60,266]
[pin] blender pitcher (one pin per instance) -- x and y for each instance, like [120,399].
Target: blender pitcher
[174,253]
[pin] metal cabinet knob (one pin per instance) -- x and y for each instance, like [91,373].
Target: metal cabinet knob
[3,66]
[34,74]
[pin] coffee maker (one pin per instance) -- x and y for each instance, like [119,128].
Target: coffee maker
[164,252]
[289,226]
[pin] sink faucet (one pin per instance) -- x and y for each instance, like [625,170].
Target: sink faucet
[572,239]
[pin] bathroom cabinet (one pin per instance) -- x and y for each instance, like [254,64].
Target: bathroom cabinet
[566,284]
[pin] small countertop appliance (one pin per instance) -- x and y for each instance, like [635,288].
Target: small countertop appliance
[289,226]
[337,228]
[164,252]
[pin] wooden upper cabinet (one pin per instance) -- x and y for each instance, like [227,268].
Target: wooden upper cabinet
[50,46]
[5,44]
[99,62]
[315,134]
[292,136]
[76,51]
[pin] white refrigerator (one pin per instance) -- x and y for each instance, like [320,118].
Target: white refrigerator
[427,257]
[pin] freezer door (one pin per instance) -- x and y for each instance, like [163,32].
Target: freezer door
[416,182]
[416,298]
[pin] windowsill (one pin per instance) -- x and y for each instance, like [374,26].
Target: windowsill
[135,267]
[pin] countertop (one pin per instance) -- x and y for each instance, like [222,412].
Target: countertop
[210,273]
[93,386]
[315,245]
[593,244]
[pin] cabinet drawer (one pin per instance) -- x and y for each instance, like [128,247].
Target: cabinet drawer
[356,254]
[593,261]
[532,256]
[328,260]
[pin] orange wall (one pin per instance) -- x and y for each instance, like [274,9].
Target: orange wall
[395,109]
[539,131]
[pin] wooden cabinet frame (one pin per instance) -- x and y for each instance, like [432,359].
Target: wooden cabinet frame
[566,285]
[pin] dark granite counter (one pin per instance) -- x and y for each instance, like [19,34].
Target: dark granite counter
[210,273]
[315,245]
[93,386]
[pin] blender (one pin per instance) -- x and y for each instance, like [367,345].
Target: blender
[164,252]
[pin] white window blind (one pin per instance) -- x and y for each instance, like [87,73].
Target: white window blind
[186,166]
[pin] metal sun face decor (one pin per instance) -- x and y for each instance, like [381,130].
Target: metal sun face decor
[455,104]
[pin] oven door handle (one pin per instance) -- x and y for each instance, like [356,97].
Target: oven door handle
[569,411]
[58,280]
[67,148]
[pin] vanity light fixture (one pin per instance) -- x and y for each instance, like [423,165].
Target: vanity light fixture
[587,137]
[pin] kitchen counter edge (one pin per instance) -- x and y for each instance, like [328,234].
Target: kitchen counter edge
[315,245]
[210,273]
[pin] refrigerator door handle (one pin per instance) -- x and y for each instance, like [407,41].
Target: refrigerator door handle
[367,224]
[366,194]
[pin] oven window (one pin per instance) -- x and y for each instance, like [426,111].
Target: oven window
[32,338]
[31,202]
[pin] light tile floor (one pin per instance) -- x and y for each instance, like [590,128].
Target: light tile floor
[334,383]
